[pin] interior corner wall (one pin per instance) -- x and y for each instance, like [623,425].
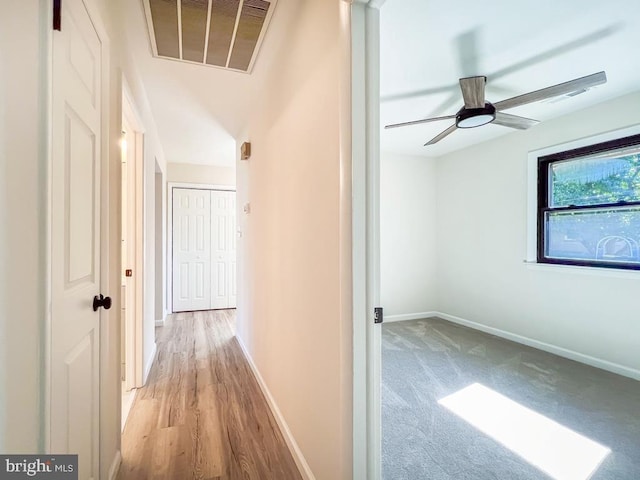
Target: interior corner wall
[407,235]
[482,237]
[203,174]
[23,206]
[290,315]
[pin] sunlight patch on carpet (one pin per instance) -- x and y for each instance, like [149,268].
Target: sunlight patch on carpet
[549,446]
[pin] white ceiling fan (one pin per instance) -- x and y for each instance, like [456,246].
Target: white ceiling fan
[476,111]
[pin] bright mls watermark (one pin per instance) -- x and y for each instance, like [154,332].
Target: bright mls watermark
[36,467]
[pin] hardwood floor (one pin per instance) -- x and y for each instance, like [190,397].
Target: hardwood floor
[202,414]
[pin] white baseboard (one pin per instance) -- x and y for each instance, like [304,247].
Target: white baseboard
[409,316]
[547,347]
[147,367]
[298,457]
[115,466]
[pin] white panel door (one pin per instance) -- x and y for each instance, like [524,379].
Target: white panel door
[191,249]
[232,283]
[223,249]
[75,239]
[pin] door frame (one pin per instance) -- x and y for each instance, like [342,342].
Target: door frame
[134,336]
[108,316]
[365,112]
[169,262]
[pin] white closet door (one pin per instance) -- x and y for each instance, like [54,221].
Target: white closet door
[232,255]
[223,248]
[191,249]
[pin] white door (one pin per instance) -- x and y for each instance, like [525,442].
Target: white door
[232,281]
[204,249]
[75,242]
[191,249]
[223,249]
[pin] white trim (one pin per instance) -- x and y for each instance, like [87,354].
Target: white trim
[547,347]
[169,251]
[152,358]
[152,32]
[47,144]
[134,343]
[207,32]
[298,457]
[179,12]
[129,108]
[160,322]
[374,331]
[532,185]
[367,434]
[359,241]
[115,465]
[201,186]
[582,270]
[409,316]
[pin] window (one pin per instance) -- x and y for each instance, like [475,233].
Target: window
[589,205]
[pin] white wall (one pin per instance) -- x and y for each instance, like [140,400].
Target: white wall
[294,301]
[22,224]
[407,235]
[205,174]
[482,233]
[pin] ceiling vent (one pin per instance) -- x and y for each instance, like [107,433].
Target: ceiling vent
[219,33]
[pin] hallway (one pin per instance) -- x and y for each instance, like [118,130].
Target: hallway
[202,414]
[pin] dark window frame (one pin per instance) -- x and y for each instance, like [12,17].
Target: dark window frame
[543,207]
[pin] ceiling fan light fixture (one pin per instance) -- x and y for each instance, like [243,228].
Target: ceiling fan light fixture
[475,117]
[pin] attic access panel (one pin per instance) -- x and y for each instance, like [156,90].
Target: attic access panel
[218,33]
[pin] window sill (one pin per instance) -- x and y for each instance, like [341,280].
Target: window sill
[581,270]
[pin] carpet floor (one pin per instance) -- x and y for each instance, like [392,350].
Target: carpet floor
[424,361]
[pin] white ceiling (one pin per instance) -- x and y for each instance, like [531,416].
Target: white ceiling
[524,45]
[199,110]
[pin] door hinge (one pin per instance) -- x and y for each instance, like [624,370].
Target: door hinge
[378,315]
[57,15]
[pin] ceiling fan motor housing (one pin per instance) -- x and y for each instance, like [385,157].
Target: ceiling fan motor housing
[475,117]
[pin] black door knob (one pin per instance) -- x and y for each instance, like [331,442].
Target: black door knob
[101,301]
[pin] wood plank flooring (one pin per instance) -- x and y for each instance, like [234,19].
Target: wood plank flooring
[202,414]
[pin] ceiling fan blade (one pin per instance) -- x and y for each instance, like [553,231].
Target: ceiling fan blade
[473,91]
[418,122]
[514,121]
[440,136]
[581,83]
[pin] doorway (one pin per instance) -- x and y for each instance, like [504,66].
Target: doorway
[203,239]
[132,157]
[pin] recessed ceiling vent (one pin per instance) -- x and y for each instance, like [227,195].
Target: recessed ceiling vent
[219,33]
